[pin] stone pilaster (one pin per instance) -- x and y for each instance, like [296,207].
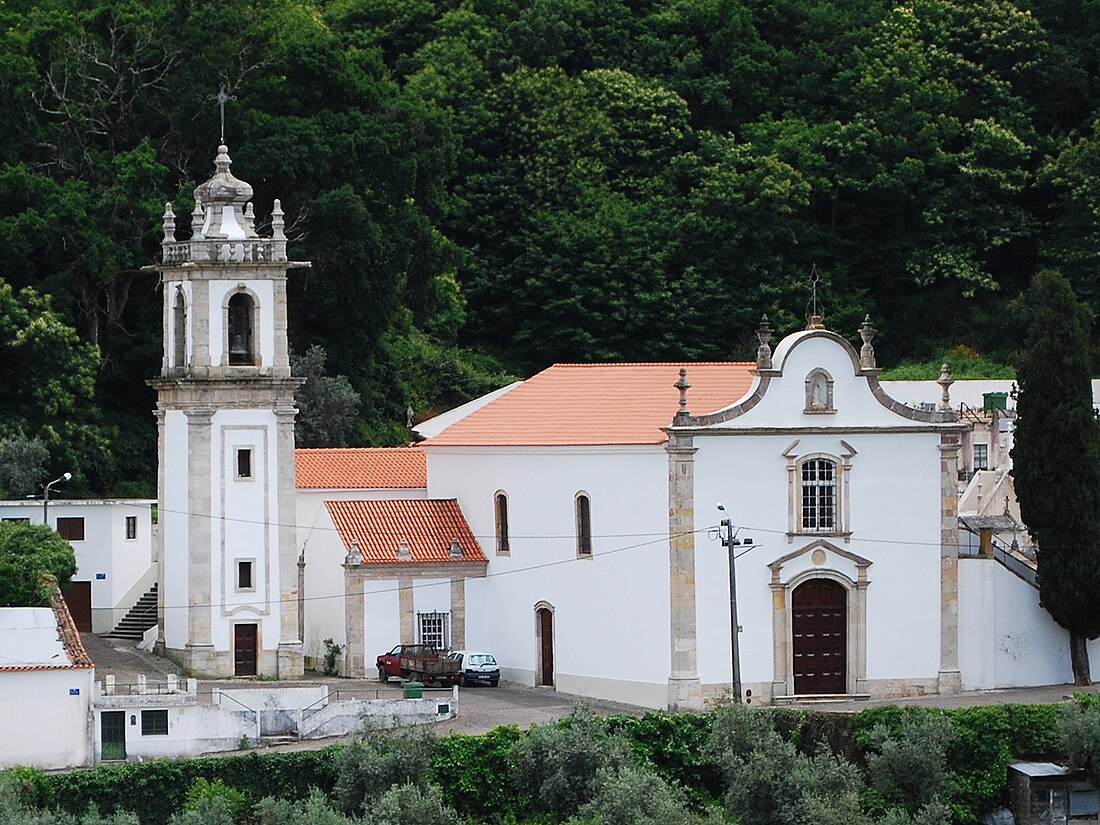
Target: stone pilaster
[199,320]
[684,689]
[950,680]
[291,661]
[199,544]
[458,613]
[354,607]
[158,533]
[406,609]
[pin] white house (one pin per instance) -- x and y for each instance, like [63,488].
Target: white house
[46,682]
[113,543]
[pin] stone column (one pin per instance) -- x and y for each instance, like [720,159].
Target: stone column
[158,532]
[458,613]
[950,680]
[406,609]
[279,321]
[684,688]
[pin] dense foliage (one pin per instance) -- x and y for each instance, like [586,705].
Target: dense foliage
[487,186]
[1056,427]
[883,766]
[34,560]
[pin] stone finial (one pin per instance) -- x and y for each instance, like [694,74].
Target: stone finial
[169,224]
[277,221]
[945,381]
[403,551]
[249,220]
[867,352]
[198,218]
[683,386]
[764,351]
[410,414]
[816,322]
[355,555]
[455,552]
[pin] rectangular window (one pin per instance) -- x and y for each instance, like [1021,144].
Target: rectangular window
[434,629]
[71,529]
[584,526]
[131,528]
[154,723]
[244,575]
[244,462]
[981,456]
[819,495]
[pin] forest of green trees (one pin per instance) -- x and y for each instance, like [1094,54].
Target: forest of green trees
[485,187]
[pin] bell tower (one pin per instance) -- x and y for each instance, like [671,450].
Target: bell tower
[225,414]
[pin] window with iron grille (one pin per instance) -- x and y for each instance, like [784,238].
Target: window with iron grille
[981,456]
[584,525]
[819,495]
[154,723]
[434,629]
[131,527]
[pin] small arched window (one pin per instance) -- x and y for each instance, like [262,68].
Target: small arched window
[584,525]
[179,330]
[241,350]
[819,499]
[500,507]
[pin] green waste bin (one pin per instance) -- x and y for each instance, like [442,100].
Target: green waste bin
[414,690]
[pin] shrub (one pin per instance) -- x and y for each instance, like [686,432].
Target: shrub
[204,795]
[554,768]
[472,771]
[313,810]
[368,768]
[907,763]
[674,745]
[402,804]
[1079,729]
[768,781]
[633,796]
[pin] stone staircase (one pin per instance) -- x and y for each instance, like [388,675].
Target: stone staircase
[138,619]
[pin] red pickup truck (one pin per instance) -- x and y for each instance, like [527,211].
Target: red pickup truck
[421,663]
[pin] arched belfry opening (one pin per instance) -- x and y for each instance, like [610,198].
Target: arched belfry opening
[179,330]
[241,339]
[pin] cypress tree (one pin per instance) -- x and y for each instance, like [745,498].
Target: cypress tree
[1056,461]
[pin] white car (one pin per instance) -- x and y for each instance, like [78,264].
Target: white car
[475,667]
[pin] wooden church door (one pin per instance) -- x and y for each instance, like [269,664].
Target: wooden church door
[819,623]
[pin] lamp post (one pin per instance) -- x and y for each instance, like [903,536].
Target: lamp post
[730,542]
[46,495]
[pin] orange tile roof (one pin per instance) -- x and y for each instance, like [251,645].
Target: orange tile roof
[76,657]
[360,468]
[427,525]
[579,404]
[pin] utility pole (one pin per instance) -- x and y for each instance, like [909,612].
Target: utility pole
[731,542]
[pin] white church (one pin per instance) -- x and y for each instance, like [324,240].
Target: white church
[569,523]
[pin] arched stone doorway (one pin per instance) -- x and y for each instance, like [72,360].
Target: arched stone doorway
[544,634]
[819,637]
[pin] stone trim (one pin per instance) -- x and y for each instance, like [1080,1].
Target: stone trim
[540,677]
[782,636]
[818,430]
[950,680]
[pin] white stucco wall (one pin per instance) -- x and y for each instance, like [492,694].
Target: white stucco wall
[45,723]
[611,633]
[381,619]
[1006,639]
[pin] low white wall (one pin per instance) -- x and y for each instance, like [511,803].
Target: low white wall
[339,718]
[44,723]
[1006,639]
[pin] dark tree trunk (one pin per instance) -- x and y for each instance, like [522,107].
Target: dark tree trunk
[1079,658]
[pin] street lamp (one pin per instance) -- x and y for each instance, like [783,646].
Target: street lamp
[46,495]
[731,542]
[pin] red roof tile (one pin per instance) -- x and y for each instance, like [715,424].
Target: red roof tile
[427,525]
[579,404]
[361,468]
